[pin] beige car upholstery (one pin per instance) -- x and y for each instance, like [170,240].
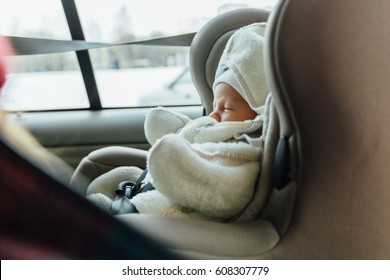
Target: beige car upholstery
[329,69]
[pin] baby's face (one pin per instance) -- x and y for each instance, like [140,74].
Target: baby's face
[229,105]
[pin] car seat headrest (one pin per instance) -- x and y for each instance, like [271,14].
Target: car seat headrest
[209,43]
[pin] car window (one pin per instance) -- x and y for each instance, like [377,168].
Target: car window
[36,82]
[124,76]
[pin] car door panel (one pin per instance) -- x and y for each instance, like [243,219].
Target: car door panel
[71,135]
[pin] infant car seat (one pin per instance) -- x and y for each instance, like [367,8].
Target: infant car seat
[206,50]
[202,239]
[327,65]
[206,239]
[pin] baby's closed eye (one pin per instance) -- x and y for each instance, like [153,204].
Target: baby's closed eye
[228,108]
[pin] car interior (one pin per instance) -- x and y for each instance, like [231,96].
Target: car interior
[322,192]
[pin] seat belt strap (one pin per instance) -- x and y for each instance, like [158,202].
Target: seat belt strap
[30,46]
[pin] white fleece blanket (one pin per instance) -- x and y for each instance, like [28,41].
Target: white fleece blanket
[193,177]
[161,121]
[214,179]
[196,170]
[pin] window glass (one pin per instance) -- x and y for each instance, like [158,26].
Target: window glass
[143,76]
[125,75]
[114,20]
[40,82]
[147,75]
[38,18]
[43,82]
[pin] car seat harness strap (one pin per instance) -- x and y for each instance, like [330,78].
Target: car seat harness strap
[125,191]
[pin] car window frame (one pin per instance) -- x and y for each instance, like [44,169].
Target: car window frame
[83,56]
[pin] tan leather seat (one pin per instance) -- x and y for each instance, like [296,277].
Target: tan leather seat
[329,70]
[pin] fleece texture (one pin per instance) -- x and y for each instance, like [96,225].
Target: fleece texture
[193,177]
[214,179]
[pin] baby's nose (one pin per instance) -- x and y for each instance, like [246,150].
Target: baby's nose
[214,114]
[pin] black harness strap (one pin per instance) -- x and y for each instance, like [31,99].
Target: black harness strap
[125,191]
